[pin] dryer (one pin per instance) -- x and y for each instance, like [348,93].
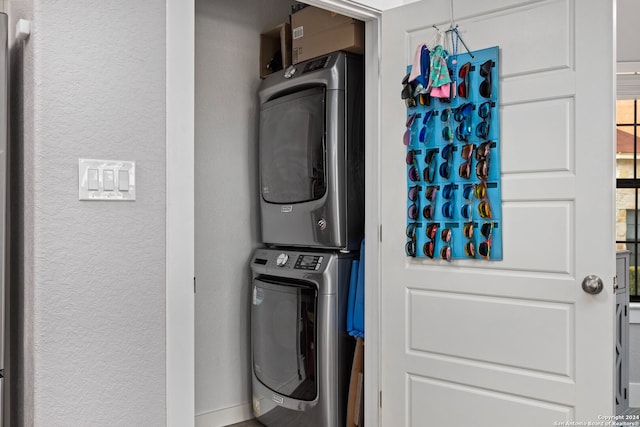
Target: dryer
[312,154]
[301,352]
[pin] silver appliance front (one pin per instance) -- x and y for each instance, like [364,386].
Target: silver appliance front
[312,154]
[301,352]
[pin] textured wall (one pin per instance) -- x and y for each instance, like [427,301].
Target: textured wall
[95,298]
[227,51]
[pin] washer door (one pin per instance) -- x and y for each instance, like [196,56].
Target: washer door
[283,335]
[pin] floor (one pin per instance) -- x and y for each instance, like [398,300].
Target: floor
[630,411]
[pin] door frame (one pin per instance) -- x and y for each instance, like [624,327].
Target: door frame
[180,210]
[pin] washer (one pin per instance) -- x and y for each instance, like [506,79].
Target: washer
[301,352]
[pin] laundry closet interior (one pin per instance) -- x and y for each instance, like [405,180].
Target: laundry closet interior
[227,198]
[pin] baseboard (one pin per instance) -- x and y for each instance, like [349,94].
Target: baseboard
[225,417]
[634,395]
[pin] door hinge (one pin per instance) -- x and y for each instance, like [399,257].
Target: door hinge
[380,233]
[194,285]
[380,400]
[615,282]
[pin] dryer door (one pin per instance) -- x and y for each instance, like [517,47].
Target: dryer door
[283,335]
[292,152]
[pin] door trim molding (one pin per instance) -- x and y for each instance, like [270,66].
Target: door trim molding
[179,237]
[372,349]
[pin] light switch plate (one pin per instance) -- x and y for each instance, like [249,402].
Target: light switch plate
[116,180]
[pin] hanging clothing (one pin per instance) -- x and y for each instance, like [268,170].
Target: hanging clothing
[443,91]
[439,72]
[420,69]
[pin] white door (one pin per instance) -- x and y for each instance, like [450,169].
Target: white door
[515,342]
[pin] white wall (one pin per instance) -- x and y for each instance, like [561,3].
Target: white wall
[628,48]
[93,272]
[227,210]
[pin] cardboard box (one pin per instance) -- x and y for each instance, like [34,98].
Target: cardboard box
[316,32]
[277,39]
[355,404]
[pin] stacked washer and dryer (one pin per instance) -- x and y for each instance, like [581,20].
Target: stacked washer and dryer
[312,221]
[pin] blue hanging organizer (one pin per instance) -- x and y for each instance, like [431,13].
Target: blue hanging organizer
[454,205]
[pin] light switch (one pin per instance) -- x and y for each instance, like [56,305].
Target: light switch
[113,180]
[92,179]
[123,180]
[107,180]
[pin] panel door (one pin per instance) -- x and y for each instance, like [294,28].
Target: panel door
[517,341]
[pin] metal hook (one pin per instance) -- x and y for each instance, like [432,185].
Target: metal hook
[455,30]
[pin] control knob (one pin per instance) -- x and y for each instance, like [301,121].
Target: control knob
[289,72]
[282,259]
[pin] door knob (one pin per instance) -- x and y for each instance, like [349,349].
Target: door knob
[592,284]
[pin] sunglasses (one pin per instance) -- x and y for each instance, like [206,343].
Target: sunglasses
[428,249]
[467,230]
[483,150]
[413,192]
[406,139]
[445,235]
[447,134]
[463,130]
[465,211]
[410,248]
[445,170]
[445,253]
[484,110]
[414,175]
[469,250]
[424,132]
[431,192]
[484,248]
[429,172]
[482,130]
[485,73]
[484,209]
[447,191]
[464,170]
[407,92]
[412,211]
[427,212]
[411,230]
[445,167]
[482,168]
[463,87]
[410,159]
[462,112]
[480,191]
[447,210]
[432,229]
[444,116]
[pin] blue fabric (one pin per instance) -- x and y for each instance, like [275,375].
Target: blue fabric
[355,310]
[353,284]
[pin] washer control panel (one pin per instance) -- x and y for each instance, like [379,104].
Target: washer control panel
[274,260]
[308,262]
